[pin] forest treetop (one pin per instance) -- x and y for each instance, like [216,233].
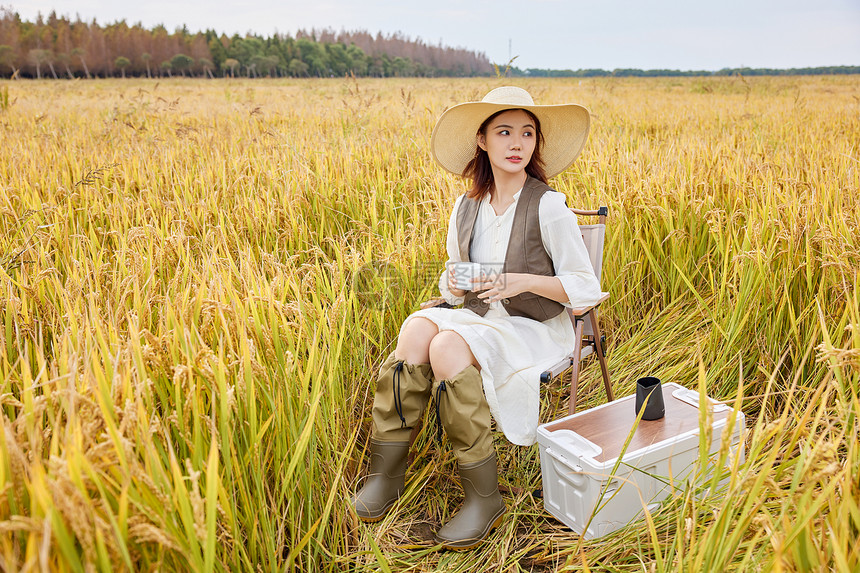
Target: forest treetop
[57,46]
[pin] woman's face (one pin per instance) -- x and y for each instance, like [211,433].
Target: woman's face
[509,140]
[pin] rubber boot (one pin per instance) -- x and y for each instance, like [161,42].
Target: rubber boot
[385,480]
[462,409]
[482,510]
[402,393]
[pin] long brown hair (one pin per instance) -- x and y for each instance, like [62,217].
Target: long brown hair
[480,171]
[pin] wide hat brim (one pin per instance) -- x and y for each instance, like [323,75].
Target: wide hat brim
[564,129]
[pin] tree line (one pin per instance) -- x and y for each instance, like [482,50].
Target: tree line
[56,46]
[631,72]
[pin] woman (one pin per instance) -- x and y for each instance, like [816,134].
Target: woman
[485,359]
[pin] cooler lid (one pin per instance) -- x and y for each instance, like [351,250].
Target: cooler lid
[609,425]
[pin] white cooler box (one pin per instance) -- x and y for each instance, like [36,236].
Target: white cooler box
[578,453]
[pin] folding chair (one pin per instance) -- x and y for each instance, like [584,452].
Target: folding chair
[585,324]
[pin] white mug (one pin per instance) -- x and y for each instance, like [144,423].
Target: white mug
[464,272]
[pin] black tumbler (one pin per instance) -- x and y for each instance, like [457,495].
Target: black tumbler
[649,388]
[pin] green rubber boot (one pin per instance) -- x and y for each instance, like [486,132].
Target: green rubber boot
[482,510]
[402,393]
[385,480]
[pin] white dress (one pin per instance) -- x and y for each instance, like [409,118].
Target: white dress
[513,351]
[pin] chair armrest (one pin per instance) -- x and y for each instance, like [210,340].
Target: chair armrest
[579,311]
[433,302]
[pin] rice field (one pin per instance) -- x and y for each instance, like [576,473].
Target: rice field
[198,280]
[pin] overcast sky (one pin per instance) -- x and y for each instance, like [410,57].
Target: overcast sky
[558,34]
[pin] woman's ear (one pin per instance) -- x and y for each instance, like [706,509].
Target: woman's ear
[482,141]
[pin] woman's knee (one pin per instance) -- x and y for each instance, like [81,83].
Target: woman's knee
[449,355]
[413,344]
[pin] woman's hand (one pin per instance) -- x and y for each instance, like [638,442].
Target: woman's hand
[503,285]
[453,289]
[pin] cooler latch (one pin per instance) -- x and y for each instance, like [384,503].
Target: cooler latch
[563,460]
[691,397]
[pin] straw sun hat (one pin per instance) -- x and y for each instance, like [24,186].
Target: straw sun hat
[564,128]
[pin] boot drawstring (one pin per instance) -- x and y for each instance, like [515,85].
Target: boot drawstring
[395,382]
[441,388]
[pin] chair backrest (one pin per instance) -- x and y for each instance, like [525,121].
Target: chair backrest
[594,237]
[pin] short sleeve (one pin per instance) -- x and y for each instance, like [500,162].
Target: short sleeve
[453,248]
[563,242]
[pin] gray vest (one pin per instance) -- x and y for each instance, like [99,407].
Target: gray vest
[525,253]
